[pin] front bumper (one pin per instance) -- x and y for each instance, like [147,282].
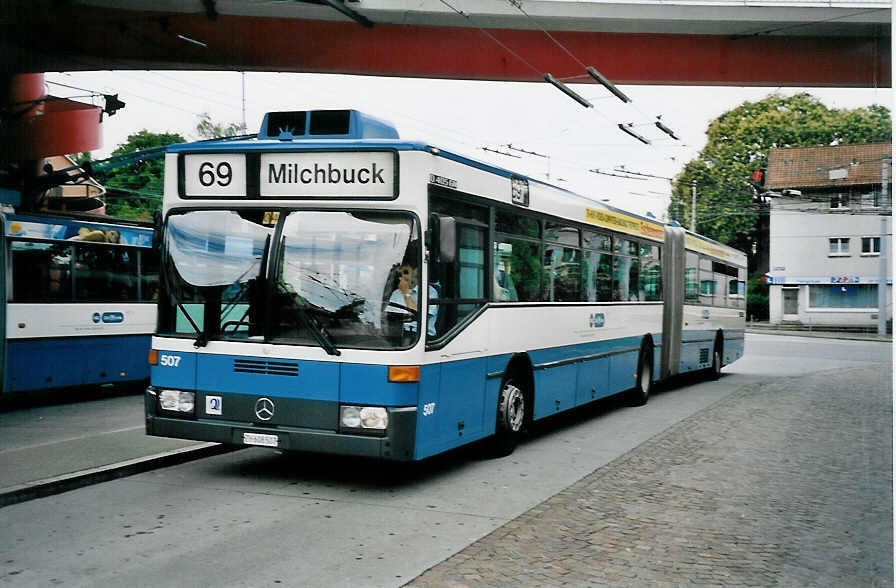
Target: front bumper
[396,445]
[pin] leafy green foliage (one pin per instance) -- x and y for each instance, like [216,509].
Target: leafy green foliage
[757,297]
[135,190]
[738,142]
[208,129]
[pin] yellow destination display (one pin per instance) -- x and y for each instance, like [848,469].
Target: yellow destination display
[650,230]
[714,249]
[624,223]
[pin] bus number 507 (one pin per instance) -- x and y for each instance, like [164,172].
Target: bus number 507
[169,360]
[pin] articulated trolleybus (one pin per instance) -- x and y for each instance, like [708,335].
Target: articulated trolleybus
[329,287]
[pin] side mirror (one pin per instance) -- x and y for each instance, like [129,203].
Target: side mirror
[444,237]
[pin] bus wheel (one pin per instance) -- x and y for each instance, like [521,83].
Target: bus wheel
[715,372]
[644,382]
[510,419]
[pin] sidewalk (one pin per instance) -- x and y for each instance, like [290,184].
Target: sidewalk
[826,332]
[785,484]
[50,449]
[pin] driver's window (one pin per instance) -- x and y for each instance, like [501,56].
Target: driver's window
[458,289]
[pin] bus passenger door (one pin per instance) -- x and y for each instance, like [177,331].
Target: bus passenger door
[458,291]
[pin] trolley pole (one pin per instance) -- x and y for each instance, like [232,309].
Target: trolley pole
[882,281]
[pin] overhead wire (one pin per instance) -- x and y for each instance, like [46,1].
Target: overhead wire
[519,6]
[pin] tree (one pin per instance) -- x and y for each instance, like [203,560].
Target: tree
[135,190]
[738,143]
[208,129]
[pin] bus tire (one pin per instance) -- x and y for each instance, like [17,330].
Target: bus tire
[715,370]
[511,417]
[644,379]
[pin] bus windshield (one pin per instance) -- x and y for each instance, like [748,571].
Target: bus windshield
[320,278]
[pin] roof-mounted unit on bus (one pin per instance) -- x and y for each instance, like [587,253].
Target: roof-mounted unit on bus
[324,124]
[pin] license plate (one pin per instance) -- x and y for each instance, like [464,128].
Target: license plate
[259,439]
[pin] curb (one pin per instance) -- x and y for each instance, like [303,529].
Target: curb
[123,469]
[821,334]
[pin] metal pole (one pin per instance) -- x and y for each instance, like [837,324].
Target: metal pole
[243,77]
[882,281]
[694,207]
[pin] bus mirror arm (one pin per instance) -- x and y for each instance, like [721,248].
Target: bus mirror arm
[157,229]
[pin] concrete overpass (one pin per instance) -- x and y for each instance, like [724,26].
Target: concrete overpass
[692,42]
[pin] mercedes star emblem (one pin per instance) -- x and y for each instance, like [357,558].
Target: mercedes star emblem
[264,409]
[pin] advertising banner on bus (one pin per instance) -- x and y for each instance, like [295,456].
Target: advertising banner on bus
[59,229]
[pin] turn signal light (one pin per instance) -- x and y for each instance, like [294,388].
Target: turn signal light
[404,373]
[153,357]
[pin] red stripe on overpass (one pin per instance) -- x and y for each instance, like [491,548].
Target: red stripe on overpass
[110,41]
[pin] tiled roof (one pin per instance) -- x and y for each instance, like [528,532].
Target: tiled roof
[843,165]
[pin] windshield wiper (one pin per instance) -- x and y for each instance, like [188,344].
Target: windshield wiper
[243,286]
[201,339]
[301,308]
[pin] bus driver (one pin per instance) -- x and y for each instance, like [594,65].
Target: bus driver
[407,295]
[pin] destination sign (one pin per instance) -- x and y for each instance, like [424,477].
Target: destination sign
[322,174]
[329,175]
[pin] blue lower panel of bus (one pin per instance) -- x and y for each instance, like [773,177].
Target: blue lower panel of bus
[454,403]
[75,361]
[566,377]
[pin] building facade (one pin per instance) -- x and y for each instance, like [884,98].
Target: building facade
[830,210]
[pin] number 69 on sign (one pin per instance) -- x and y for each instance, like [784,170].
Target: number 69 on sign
[215,174]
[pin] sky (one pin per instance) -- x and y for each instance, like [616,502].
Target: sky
[552,137]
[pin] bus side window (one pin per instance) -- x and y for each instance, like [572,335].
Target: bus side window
[597,268]
[691,285]
[562,263]
[40,272]
[707,282]
[651,275]
[149,275]
[517,270]
[625,271]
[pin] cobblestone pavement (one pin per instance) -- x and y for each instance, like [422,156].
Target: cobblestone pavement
[786,483]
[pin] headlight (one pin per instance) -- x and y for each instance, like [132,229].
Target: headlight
[351,417]
[372,418]
[177,400]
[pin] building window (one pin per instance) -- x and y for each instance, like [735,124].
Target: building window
[843,296]
[870,199]
[840,201]
[870,245]
[838,247]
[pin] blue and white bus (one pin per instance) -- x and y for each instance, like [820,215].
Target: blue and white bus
[330,287]
[78,299]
